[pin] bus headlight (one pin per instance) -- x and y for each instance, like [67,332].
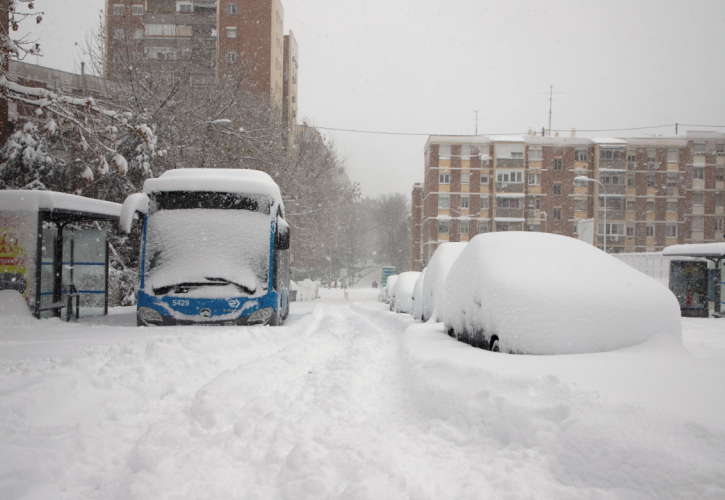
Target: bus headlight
[149,315]
[261,315]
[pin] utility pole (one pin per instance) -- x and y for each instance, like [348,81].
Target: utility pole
[551,101]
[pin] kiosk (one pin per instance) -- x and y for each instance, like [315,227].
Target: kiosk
[61,271]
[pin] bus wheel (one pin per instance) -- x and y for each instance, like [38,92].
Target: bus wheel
[275,321]
[494,345]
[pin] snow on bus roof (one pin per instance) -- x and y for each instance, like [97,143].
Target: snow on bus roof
[22,200]
[223,180]
[696,250]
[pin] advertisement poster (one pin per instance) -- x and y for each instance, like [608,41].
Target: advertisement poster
[17,249]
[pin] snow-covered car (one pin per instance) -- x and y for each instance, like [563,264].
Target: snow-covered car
[537,293]
[401,296]
[435,278]
[418,296]
[384,295]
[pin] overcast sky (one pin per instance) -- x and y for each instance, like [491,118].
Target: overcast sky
[424,67]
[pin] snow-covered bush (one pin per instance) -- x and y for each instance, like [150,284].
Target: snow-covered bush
[542,293]
[435,278]
[401,295]
[418,296]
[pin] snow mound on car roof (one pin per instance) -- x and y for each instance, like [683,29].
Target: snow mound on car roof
[418,296]
[435,278]
[401,299]
[550,294]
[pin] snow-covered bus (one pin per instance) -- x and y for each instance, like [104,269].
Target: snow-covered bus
[214,249]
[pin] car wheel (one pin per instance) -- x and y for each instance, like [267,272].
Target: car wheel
[275,321]
[494,346]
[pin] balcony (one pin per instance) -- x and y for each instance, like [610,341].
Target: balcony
[613,214]
[510,212]
[509,187]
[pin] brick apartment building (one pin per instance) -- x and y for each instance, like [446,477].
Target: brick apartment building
[660,191]
[215,38]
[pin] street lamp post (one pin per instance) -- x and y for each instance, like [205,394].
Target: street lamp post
[584,178]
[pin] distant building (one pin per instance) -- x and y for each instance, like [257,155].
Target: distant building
[660,191]
[217,37]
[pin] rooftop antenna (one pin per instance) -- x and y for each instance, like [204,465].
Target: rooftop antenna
[476,111]
[551,100]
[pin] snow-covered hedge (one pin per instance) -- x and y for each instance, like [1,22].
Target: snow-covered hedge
[549,294]
[435,278]
[401,296]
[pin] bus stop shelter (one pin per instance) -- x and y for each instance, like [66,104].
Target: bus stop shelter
[47,259]
[715,253]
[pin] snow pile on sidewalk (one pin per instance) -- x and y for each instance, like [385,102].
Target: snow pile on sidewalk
[549,294]
[14,310]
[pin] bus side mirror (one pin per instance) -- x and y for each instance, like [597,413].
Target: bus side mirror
[137,202]
[281,237]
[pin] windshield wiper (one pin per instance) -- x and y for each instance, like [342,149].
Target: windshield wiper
[185,287]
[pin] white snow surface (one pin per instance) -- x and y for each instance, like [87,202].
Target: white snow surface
[222,180]
[435,278]
[543,293]
[136,202]
[418,296]
[401,295]
[14,310]
[352,401]
[20,200]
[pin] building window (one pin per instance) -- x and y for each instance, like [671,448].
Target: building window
[484,179]
[613,229]
[651,155]
[673,156]
[444,202]
[444,178]
[581,155]
[484,202]
[611,154]
[534,179]
[118,10]
[510,151]
[137,10]
[580,204]
[720,148]
[698,199]
[463,226]
[558,163]
[698,173]
[464,202]
[118,34]
[671,231]
[698,223]
[557,189]
[501,226]
[650,232]
[718,224]
[557,214]
[630,180]
[465,152]
[444,151]
[465,178]
[650,206]
[535,154]
[631,204]
[672,180]
[720,174]
[537,205]
[443,227]
[651,180]
[231,8]
[168,30]
[510,176]
[672,206]
[613,179]
[138,33]
[630,231]
[719,198]
[632,160]
[184,7]
[502,202]
[230,57]
[698,148]
[231,32]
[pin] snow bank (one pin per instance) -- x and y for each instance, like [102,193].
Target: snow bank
[418,296]
[549,294]
[223,180]
[307,290]
[401,296]
[433,287]
[13,309]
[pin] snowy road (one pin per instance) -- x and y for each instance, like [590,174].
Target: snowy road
[348,400]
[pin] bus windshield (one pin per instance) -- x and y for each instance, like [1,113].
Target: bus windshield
[189,250]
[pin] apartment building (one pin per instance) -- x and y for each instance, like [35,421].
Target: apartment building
[214,39]
[658,191]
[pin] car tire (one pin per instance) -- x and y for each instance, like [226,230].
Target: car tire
[275,321]
[494,346]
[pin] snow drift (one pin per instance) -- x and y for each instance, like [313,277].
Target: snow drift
[549,294]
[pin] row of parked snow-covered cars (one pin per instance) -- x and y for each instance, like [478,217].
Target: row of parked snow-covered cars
[535,293]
